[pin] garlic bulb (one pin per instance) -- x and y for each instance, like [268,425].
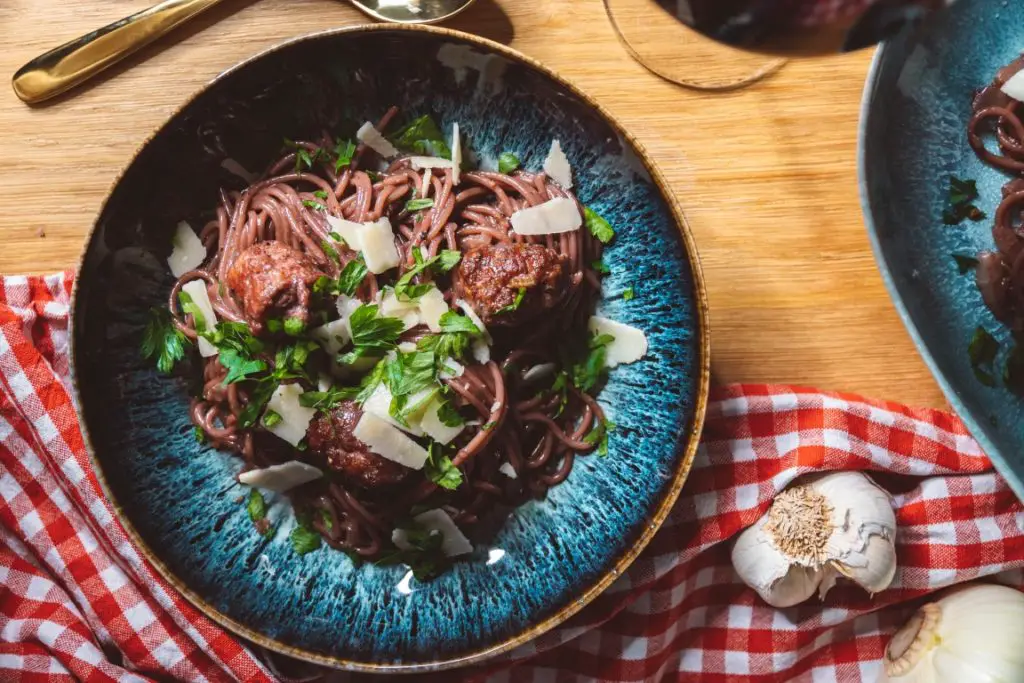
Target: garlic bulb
[828,526]
[973,633]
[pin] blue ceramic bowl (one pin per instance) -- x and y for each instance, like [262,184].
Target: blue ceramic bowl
[180,500]
[913,137]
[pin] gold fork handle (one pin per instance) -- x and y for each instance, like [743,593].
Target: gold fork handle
[73,63]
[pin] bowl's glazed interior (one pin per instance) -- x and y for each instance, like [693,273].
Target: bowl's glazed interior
[181,500]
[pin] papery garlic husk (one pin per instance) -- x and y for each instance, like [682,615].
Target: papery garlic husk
[821,528]
[971,634]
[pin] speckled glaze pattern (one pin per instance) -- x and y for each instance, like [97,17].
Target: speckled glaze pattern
[913,137]
[181,499]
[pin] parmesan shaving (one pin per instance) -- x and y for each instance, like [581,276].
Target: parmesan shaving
[508,470]
[373,139]
[456,162]
[629,343]
[375,241]
[1014,87]
[389,442]
[201,298]
[188,253]
[557,166]
[434,428]
[420,163]
[436,521]
[333,336]
[432,306]
[554,216]
[295,417]
[281,477]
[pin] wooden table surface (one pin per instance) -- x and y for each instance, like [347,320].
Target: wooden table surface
[767,175]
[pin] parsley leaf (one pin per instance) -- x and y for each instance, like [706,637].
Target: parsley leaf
[408,374]
[418,204]
[237,336]
[445,260]
[343,153]
[425,557]
[304,538]
[189,307]
[321,195]
[313,204]
[448,415]
[370,333]
[507,162]
[600,267]
[271,418]
[325,400]
[961,195]
[424,137]
[515,303]
[199,434]
[589,373]
[964,263]
[239,365]
[330,251]
[352,275]
[598,227]
[258,398]
[628,294]
[440,470]
[982,351]
[456,322]
[256,506]
[163,340]
[599,436]
[294,327]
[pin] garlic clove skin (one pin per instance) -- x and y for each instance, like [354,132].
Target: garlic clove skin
[873,570]
[972,634]
[763,567]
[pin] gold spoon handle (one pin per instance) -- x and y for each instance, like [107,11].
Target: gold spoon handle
[77,61]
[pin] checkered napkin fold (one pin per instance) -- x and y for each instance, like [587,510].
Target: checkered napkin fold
[78,601]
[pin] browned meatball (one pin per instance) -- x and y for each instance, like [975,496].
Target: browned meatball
[274,281]
[330,436]
[492,277]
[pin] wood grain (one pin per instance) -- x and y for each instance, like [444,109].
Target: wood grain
[767,174]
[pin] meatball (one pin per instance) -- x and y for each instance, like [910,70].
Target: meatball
[273,281]
[494,277]
[330,437]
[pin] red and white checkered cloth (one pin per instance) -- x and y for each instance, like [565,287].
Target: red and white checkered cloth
[77,601]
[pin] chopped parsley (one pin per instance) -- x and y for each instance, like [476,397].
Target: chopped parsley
[599,436]
[189,307]
[199,434]
[321,195]
[313,204]
[303,157]
[628,294]
[303,537]
[370,333]
[239,365]
[515,302]
[456,322]
[258,398]
[962,194]
[600,267]
[423,136]
[982,352]
[507,162]
[294,327]
[424,557]
[325,400]
[448,415]
[418,204]
[445,260]
[257,509]
[330,251]
[598,227]
[408,375]
[591,371]
[440,470]
[352,275]
[271,418]
[343,153]
[163,340]
[965,263]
